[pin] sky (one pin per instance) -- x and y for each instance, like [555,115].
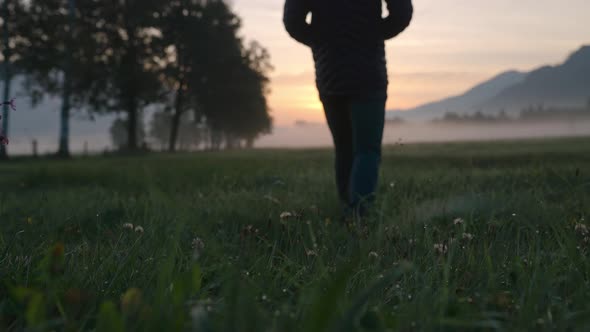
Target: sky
[450,46]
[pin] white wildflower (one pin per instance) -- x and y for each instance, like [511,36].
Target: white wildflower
[458,221]
[286,215]
[441,248]
[311,253]
[582,229]
[468,236]
[128,226]
[139,229]
[373,254]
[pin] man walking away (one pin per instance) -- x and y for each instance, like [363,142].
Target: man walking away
[347,38]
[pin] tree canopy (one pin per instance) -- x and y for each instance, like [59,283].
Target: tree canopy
[125,55]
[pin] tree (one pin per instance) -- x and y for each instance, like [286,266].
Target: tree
[212,74]
[127,35]
[119,134]
[251,90]
[53,63]
[190,132]
[182,54]
[232,85]
[12,48]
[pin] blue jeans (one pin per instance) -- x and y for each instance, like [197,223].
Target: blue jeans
[356,124]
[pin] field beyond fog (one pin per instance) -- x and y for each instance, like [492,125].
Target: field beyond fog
[463,236]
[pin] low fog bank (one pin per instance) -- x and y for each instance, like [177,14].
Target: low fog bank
[318,135]
[86,136]
[93,137]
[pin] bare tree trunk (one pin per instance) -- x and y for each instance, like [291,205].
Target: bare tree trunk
[132,124]
[7,78]
[64,133]
[178,104]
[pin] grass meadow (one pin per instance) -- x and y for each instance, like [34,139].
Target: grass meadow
[463,236]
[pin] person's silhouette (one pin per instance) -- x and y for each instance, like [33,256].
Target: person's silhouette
[347,38]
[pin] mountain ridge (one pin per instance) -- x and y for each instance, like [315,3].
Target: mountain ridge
[566,84]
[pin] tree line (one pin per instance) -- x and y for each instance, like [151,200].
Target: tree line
[528,114]
[184,58]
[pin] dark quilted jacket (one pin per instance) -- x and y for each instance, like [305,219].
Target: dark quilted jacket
[347,38]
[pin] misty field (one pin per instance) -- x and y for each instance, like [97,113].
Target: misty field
[464,236]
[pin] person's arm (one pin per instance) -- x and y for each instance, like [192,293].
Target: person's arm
[294,19]
[400,15]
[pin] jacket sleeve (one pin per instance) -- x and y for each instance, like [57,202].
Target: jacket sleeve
[294,19]
[400,15]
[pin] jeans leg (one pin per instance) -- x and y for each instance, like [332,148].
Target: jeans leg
[338,115]
[368,120]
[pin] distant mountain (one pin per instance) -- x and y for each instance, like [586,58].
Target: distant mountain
[565,85]
[465,102]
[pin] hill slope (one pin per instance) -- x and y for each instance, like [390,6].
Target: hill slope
[567,84]
[468,100]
